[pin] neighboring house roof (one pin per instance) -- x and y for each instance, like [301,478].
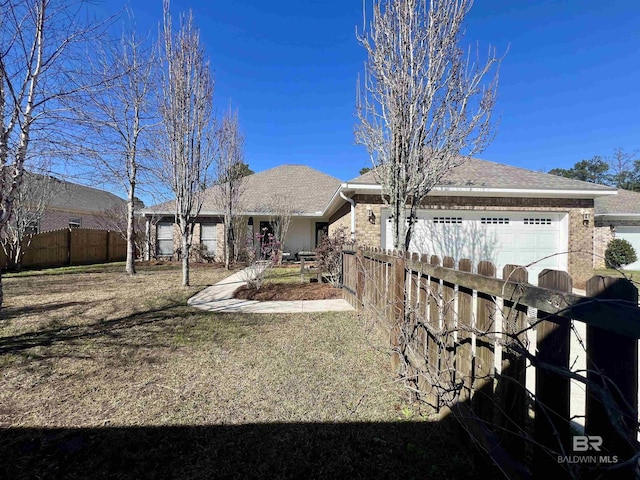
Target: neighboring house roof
[72,196]
[307,190]
[624,204]
[482,174]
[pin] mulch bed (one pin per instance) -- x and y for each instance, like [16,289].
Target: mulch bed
[289,291]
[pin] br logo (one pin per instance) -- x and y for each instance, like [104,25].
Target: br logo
[584,443]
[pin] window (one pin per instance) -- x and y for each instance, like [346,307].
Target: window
[537,221]
[208,237]
[447,219]
[164,237]
[31,228]
[494,220]
[75,222]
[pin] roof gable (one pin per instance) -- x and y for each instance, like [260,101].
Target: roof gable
[308,190]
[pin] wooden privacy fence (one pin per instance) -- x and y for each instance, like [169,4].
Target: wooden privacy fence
[75,246]
[496,354]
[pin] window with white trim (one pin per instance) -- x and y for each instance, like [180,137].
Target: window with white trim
[75,222]
[164,238]
[208,237]
[537,221]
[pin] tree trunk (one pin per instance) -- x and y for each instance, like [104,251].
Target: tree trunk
[131,244]
[185,259]
[229,241]
[1,292]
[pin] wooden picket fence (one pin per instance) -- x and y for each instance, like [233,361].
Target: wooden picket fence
[473,333]
[73,246]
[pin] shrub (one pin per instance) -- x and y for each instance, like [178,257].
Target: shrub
[261,258]
[619,253]
[329,254]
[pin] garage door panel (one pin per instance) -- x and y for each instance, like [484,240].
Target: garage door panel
[632,235]
[503,238]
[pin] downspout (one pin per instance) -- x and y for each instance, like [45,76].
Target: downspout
[353,215]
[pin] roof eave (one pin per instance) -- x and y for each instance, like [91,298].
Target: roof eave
[618,216]
[204,213]
[492,191]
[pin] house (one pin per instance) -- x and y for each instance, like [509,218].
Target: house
[77,206]
[307,193]
[481,210]
[70,205]
[617,216]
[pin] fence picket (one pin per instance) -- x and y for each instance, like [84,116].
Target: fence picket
[552,426]
[511,392]
[616,357]
[464,361]
[482,401]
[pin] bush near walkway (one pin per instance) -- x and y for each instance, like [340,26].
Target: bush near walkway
[109,376]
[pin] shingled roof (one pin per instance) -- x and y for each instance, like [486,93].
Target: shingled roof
[307,189]
[476,173]
[625,203]
[73,196]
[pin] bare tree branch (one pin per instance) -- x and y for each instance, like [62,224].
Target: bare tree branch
[186,107]
[229,159]
[422,105]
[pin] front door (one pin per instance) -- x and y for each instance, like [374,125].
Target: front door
[322,230]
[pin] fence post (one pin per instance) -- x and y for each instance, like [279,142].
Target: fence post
[108,244]
[398,299]
[359,278]
[69,246]
[552,389]
[612,365]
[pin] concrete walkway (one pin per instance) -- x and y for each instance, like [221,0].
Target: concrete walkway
[219,298]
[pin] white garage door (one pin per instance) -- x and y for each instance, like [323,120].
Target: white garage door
[519,238]
[632,235]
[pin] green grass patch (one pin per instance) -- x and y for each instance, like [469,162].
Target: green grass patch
[283,275]
[94,268]
[610,272]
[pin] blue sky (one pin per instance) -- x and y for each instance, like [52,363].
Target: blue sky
[569,83]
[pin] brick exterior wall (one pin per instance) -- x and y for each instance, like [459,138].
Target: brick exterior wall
[54,219]
[177,239]
[604,234]
[581,237]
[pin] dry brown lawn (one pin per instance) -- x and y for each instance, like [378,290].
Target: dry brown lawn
[109,376]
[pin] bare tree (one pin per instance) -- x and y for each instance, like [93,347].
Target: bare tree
[38,39]
[29,204]
[281,210]
[423,104]
[118,115]
[186,107]
[229,160]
